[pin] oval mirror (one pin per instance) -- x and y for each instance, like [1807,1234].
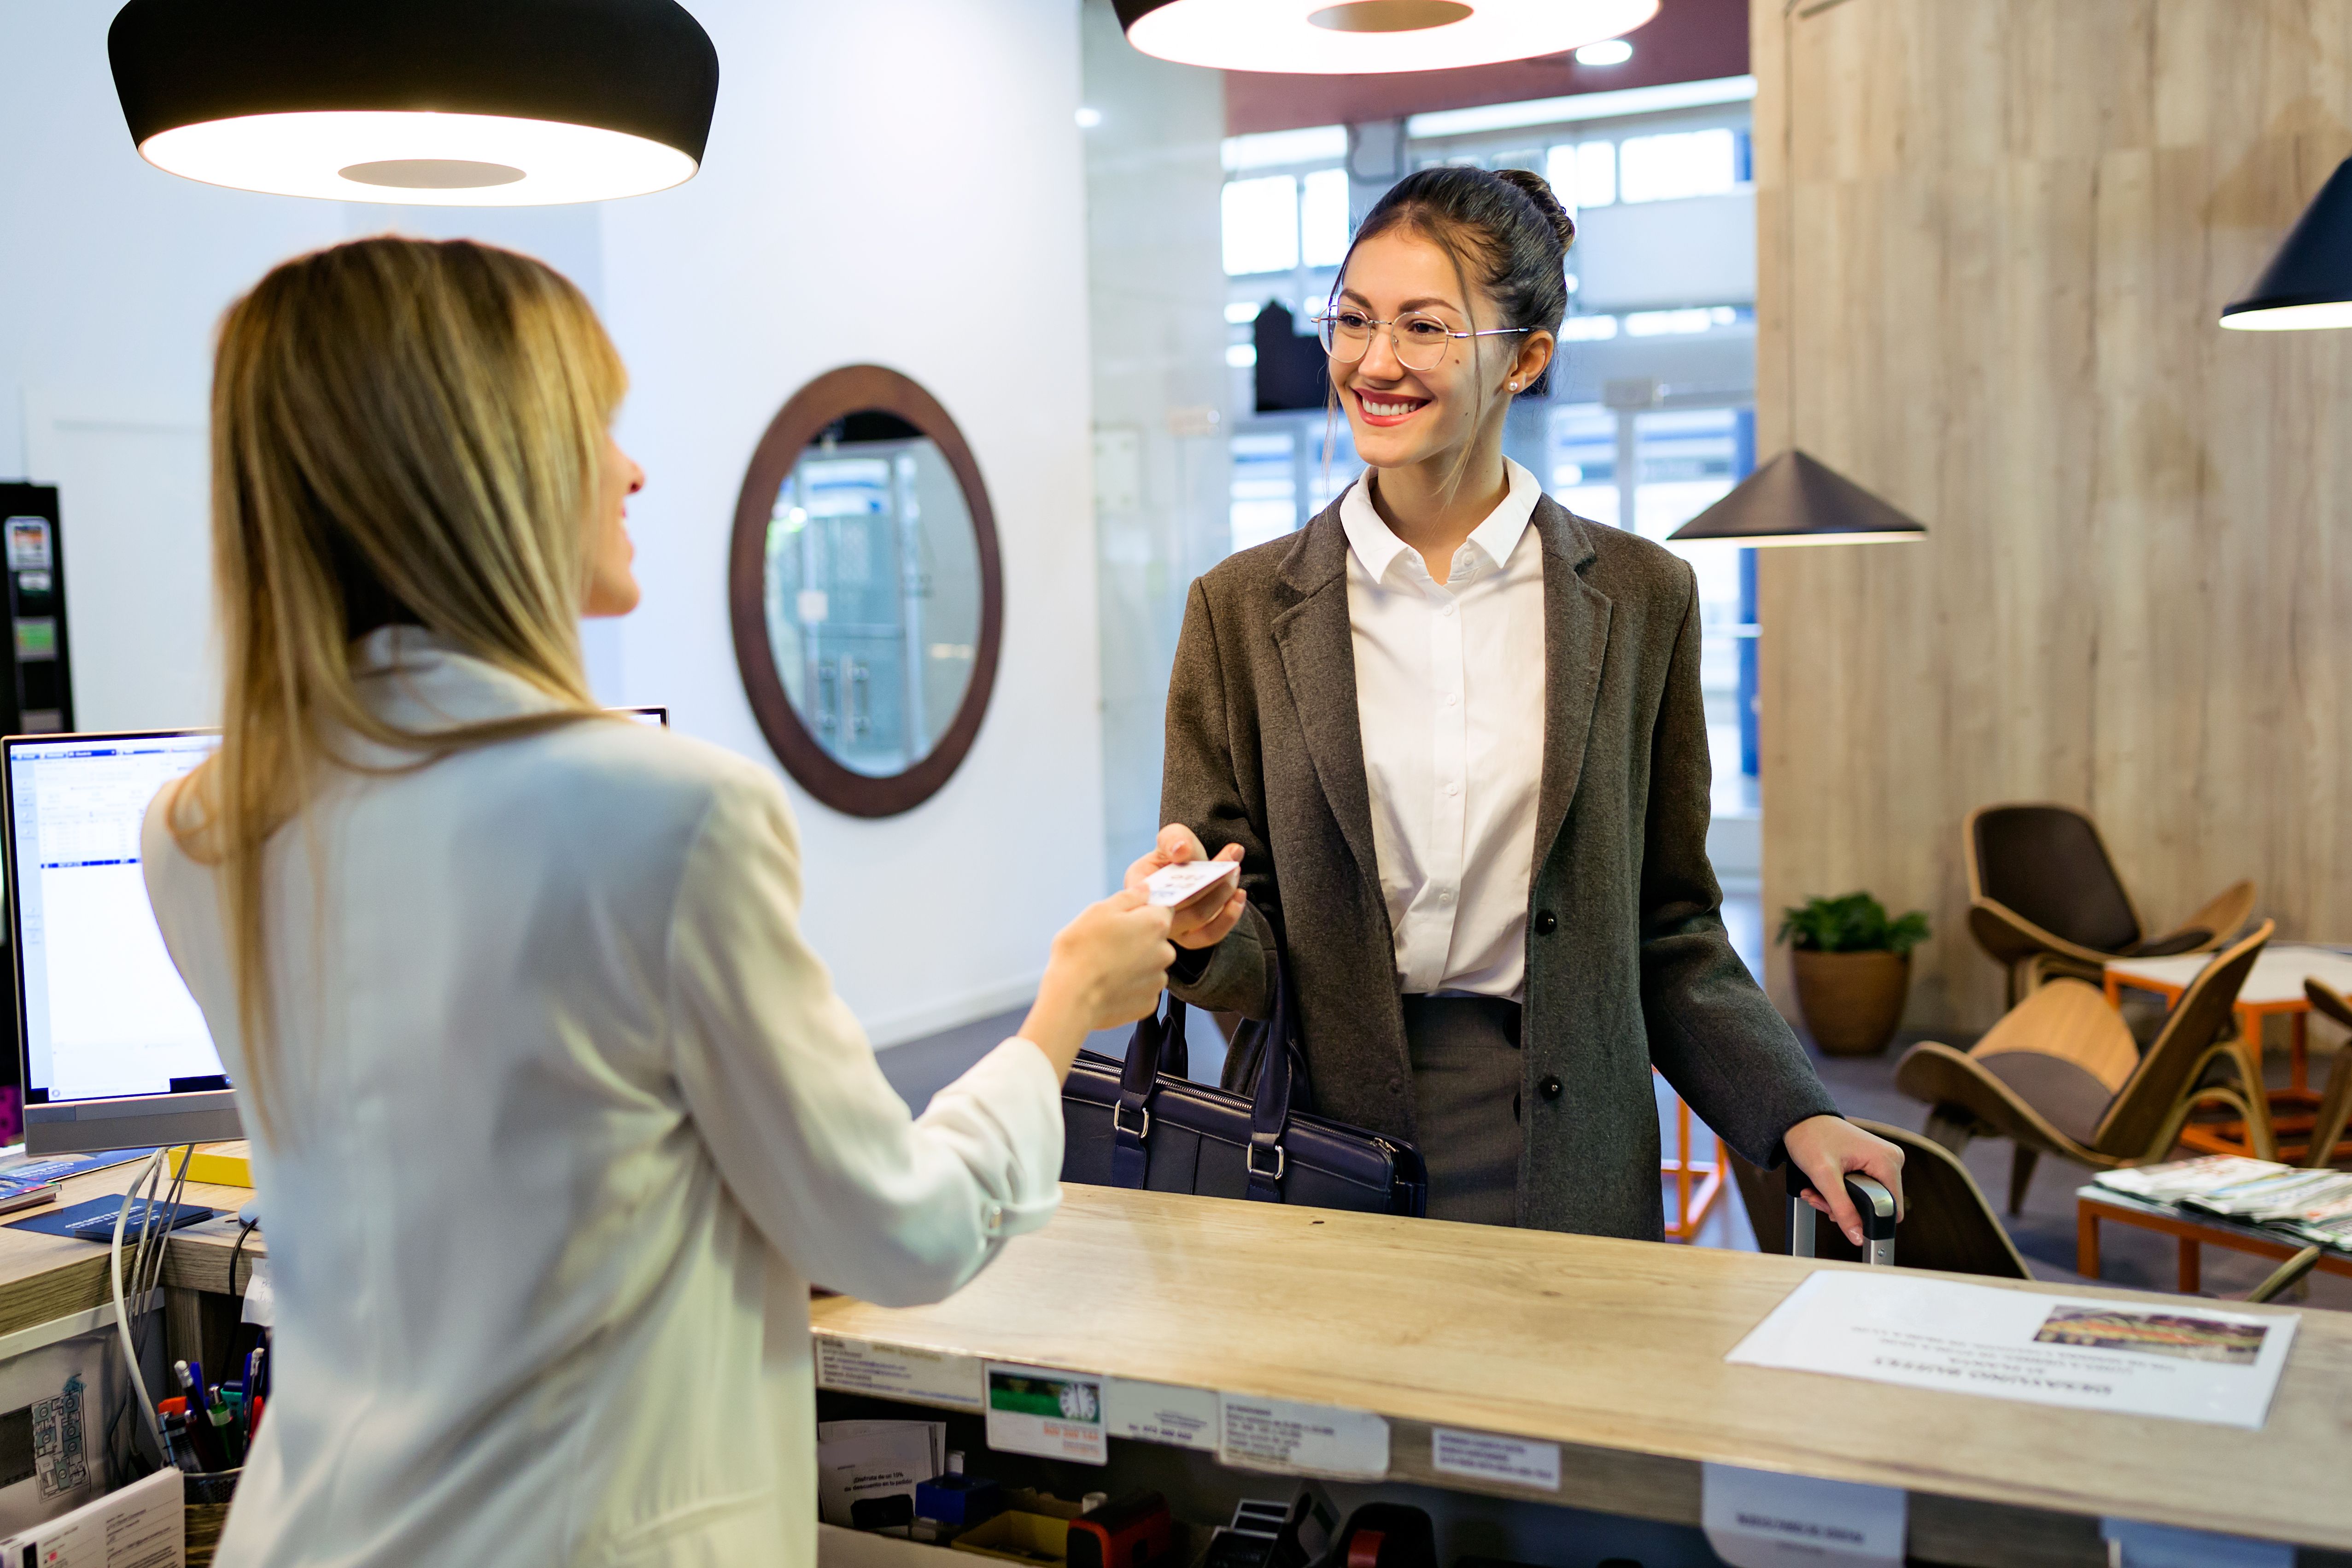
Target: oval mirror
[866,592]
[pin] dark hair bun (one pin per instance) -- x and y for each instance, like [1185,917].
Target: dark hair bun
[1538,190]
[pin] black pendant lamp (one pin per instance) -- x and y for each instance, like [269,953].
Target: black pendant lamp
[2308,283]
[450,103]
[1794,499]
[1321,37]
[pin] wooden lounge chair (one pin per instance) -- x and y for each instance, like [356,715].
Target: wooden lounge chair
[2045,899]
[1947,1224]
[2061,1074]
[2334,1100]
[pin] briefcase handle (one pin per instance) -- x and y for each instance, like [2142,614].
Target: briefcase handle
[1871,1200]
[1158,1046]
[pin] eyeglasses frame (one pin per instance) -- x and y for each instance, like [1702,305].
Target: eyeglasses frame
[1323,323]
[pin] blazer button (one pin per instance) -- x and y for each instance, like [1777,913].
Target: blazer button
[1546,922]
[1396,1086]
[1550,1088]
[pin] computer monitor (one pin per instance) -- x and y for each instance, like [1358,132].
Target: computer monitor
[114,1052]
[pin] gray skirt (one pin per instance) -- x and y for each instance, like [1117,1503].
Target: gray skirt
[1465,1087]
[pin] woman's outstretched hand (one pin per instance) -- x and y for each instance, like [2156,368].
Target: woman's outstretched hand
[1826,1148]
[1204,918]
[1107,968]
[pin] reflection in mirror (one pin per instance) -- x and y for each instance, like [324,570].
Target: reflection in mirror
[872,592]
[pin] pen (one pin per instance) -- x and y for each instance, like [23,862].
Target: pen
[212,1454]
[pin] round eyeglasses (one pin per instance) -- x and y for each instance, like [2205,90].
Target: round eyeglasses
[1419,340]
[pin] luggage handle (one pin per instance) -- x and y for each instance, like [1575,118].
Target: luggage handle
[1871,1200]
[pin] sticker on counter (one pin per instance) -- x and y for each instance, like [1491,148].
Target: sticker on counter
[894,1371]
[1290,1438]
[1483,1456]
[2135,1545]
[1040,1410]
[1758,1518]
[1160,1412]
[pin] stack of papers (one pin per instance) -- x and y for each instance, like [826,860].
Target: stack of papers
[2303,1204]
[2171,1182]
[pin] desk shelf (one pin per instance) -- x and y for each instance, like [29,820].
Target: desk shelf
[1615,1351]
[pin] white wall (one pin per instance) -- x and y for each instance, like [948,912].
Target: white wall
[112,276]
[897,181]
[894,182]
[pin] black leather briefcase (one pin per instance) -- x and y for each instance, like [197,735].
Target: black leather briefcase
[1143,1124]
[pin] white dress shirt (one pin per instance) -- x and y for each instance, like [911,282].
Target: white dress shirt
[567,1117]
[1450,699]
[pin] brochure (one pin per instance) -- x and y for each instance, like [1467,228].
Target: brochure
[2186,1361]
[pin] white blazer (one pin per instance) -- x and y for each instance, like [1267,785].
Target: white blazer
[565,1119]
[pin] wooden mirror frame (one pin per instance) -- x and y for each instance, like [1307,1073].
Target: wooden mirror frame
[854,389]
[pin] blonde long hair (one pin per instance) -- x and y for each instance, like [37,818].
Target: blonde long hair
[401,430]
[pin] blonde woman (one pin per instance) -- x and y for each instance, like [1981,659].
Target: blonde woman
[555,1114]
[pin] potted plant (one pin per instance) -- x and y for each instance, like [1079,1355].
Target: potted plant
[1853,969]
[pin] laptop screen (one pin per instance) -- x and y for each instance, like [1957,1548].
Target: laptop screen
[104,1011]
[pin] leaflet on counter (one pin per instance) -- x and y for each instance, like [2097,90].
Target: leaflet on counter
[2187,1361]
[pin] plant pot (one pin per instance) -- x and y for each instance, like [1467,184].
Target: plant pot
[1852,1002]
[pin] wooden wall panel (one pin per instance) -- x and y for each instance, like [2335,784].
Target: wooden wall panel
[1994,237]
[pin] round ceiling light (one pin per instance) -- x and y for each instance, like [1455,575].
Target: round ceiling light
[1318,37]
[447,102]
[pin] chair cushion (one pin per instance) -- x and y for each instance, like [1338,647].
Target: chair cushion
[2046,863]
[2067,1096]
[2188,939]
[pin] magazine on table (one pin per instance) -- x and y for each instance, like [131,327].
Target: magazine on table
[2177,1179]
[2284,1196]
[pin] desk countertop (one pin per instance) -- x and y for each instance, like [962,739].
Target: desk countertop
[43,1278]
[1614,1349]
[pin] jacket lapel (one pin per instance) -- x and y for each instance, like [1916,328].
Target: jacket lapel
[1576,639]
[1316,642]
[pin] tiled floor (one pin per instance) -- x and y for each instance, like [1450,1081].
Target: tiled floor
[2044,1230]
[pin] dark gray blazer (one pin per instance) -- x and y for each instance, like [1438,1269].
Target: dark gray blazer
[1628,964]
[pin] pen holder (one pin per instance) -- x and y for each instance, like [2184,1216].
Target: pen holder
[207,1496]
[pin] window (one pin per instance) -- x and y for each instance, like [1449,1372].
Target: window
[1323,218]
[1679,163]
[1261,225]
[1584,476]
[1582,174]
[1264,489]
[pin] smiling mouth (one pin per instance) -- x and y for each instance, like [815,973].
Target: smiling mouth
[1386,411]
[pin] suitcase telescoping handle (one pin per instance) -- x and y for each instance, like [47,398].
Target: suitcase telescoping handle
[1871,1200]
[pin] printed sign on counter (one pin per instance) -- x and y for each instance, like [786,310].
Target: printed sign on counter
[1291,1438]
[1483,1456]
[1052,1413]
[893,1371]
[1160,1413]
[1754,1519]
[2188,1361]
[2135,1545]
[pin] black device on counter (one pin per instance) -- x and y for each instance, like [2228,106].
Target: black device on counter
[36,694]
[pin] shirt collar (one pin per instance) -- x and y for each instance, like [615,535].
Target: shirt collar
[1377,546]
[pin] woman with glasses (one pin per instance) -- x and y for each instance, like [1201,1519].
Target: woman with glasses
[1454,736]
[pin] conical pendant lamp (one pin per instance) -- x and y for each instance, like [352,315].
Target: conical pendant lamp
[2309,283]
[451,102]
[1795,500]
[1339,37]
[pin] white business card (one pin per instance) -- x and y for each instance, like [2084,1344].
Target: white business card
[1173,885]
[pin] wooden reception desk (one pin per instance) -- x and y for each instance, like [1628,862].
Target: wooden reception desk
[1615,1349]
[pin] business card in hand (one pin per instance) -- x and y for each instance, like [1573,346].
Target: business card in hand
[1173,885]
